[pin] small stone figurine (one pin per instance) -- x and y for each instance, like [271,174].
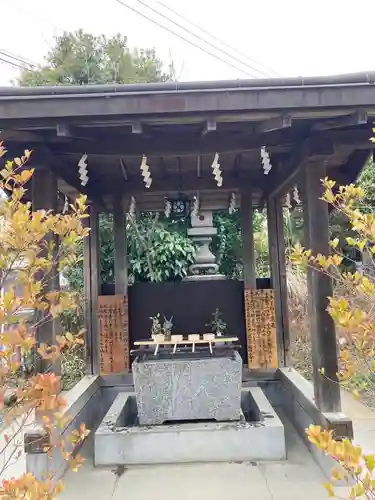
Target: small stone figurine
[167,328]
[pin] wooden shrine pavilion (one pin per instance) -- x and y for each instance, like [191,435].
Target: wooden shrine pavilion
[309,128]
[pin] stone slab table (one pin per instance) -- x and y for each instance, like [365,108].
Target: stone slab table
[183,388]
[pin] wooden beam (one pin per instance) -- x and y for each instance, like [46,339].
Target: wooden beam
[162,168]
[123,169]
[210,126]
[322,327]
[348,173]
[237,165]
[185,182]
[358,118]
[276,250]
[278,123]
[173,144]
[282,178]
[121,268]
[246,215]
[23,136]
[199,166]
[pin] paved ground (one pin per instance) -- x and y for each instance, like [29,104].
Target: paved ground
[298,477]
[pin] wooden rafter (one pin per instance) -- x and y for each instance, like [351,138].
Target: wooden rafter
[308,151]
[278,123]
[358,118]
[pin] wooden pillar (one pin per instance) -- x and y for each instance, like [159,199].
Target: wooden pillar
[121,267]
[87,297]
[44,197]
[322,328]
[276,250]
[246,214]
[92,284]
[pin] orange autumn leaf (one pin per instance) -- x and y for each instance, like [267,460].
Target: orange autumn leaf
[26,175]
[23,237]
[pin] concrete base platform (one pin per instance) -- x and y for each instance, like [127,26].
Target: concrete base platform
[118,441]
[298,476]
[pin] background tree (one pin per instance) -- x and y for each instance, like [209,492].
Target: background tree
[227,245]
[80,58]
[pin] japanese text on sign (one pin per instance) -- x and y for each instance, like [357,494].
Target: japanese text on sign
[261,328]
[114,334]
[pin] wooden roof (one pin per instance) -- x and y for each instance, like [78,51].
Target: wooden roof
[180,126]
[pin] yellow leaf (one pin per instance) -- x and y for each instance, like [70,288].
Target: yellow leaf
[359,490]
[330,490]
[350,241]
[329,196]
[361,244]
[322,371]
[69,337]
[334,243]
[336,475]
[356,394]
[370,462]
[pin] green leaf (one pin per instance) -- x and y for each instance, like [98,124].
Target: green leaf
[350,241]
[370,462]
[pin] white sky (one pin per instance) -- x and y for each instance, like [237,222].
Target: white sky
[293,37]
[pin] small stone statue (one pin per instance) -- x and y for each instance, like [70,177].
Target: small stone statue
[167,328]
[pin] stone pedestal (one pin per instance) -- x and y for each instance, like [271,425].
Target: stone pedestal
[188,389]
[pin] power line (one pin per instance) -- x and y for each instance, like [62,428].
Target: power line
[226,44]
[182,37]
[15,65]
[215,47]
[16,58]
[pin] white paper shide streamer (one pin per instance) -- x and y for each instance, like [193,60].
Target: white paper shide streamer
[288,202]
[132,208]
[145,169]
[195,206]
[66,205]
[82,170]
[167,208]
[217,171]
[296,197]
[232,203]
[266,162]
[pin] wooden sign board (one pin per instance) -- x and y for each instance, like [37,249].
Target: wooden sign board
[114,334]
[261,328]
